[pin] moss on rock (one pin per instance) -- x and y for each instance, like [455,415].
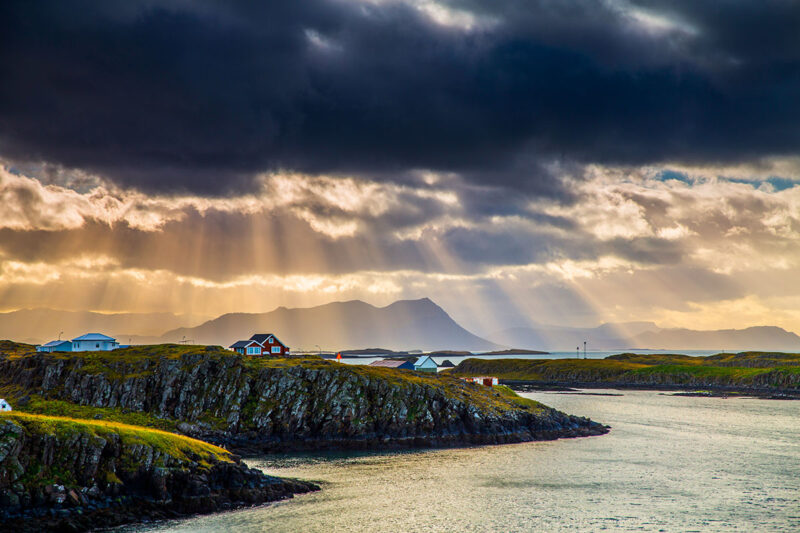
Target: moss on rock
[67,474]
[262,404]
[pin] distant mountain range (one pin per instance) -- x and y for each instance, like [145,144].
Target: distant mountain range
[759,338]
[646,335]
[403,325]
[41,325]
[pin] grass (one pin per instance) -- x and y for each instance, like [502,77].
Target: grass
[743,369]
[110,362]
[24,402]
[38,405]
[704,372]
[543,369]
[15,349]
[515,398]
[655,359]
[175,446]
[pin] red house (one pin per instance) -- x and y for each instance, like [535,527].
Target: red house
[261,344]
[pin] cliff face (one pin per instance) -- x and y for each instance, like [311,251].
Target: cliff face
[72,475]
[261,405]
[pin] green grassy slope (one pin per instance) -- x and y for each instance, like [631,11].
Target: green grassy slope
[747,370]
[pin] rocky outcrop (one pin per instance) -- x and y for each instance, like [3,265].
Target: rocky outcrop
[263,405]
[66,475]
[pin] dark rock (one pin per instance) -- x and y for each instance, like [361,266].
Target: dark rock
[213,395]
[176,487]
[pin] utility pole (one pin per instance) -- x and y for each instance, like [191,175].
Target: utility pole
[577,352]
[584,349]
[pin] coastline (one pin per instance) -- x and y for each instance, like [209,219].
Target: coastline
[99,439]
[274,405]
[521,385]
[760,374]
[61,474]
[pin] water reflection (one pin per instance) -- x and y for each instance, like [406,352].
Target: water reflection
[670,463]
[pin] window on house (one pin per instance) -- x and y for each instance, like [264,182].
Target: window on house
[253,350]
[276,349]
[270,340]
[97,345]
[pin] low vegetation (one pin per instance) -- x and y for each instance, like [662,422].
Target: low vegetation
[67,474]
[132,438]
[747,370]
[13,349]
[36,404]
[273,403]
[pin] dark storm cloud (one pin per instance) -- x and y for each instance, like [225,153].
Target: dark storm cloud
[200,95]
[202,245]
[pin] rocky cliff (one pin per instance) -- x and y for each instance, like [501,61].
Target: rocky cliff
[74,475]
[254,405]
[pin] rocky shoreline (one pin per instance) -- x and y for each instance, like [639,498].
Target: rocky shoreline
[760,374]
[555,427]
[63,475]
[59,509]
[96,470]
[709,390]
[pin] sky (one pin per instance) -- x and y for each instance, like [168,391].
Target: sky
[566,162]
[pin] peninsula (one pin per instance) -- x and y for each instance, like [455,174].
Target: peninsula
[767,374]
[257,405]
[65,474]
[95,434]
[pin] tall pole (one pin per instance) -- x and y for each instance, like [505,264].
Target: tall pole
[584,349]
[577,352]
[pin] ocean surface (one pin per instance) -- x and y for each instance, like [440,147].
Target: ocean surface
[670,463]
[455,359]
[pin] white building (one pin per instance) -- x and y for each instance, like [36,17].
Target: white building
[94,342]
[4,405]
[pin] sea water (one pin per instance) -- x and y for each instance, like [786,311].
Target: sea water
[670,463]
[596,354]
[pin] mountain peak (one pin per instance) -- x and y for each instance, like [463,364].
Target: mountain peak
[402,325]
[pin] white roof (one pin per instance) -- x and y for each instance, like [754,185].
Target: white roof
[94,337]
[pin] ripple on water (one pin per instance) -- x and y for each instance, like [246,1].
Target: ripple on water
[669,464]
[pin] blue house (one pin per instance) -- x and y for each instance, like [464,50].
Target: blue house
[55,346]
[426,364]
[94,342]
